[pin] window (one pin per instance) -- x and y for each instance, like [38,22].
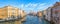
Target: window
[2,15]
[56,12]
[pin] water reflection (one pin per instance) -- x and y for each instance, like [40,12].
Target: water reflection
[31,20]
[35,20]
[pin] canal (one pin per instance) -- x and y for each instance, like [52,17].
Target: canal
[35,20]
[29,20]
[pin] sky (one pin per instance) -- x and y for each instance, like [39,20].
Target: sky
[28,5]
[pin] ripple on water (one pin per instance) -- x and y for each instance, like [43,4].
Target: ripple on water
[34,20]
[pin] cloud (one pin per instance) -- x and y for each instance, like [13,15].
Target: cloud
[22,6]
[30,5]
[43,6]
[36,6]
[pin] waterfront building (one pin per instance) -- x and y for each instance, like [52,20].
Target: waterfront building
[39,13]
[48,14]
[32,13]
[56,13]
[22,13]
[52,14]
[11,12]
[8,11]
[44,13]
[3,13]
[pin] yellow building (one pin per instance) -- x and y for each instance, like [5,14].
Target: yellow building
[3,13]
[40,14]
[12,11]
[8,11]
[44,12]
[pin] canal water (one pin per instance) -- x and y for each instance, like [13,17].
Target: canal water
[35,20]
[29,20]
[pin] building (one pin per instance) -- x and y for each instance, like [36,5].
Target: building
[56,13]
[48,14]
[3,13]
[33,13]
[39,13]
[22,13]
[11,12]
[44,13]
[53,13]
[8,11]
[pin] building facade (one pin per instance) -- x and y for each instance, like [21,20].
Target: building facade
[3,13]
[10,11]
[45,14]
[48,14]
[39,13]
[56,13]
[22,13]
[53,13]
